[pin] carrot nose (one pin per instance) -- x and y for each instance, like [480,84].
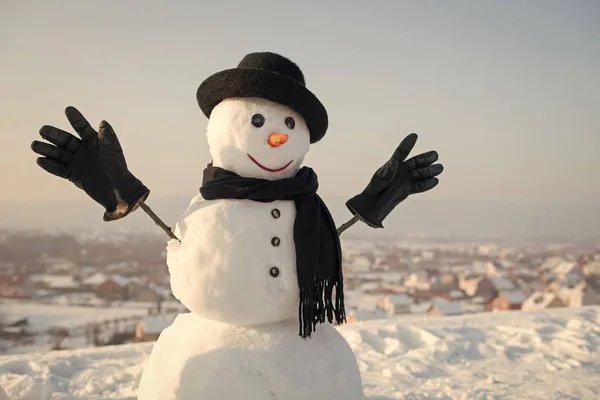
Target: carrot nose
[277,139]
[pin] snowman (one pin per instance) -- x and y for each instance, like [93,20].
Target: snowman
[256,257]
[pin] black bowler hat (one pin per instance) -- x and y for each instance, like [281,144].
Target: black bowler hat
[271,77]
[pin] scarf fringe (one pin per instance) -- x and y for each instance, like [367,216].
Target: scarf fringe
[318,306]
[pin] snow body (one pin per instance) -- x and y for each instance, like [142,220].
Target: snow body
[221,270]
[241,338]
[197,359]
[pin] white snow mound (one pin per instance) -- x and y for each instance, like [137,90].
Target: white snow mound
[506,355]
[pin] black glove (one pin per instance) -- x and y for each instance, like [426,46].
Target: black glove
[94,164]
[394,182]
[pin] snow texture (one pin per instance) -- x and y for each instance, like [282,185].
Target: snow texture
[263,362]
[221,269]
[41,316]
[534,355]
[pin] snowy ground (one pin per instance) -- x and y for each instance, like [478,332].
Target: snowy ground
[552,354]
[45,316]
[42,317]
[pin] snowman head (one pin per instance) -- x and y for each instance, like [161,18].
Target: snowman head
[257,138]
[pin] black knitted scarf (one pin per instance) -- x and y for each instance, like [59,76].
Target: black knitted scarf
[318,251]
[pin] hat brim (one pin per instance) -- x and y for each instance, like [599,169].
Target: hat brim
[245,82]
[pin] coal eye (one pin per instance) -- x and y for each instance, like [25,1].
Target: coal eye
[258,120]
[290,123]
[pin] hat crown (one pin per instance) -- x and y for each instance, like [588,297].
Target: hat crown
[272,62]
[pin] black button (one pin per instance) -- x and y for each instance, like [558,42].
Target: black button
[275,241]
[274,272]
[275,213]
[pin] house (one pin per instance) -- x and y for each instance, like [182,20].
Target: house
[116,287]
[593,282]
[507,300]
[501,283]
[16,286]
[150,327]
[443,308]
[57,283]
[469,284]
[583,294]
[147,292]
[468,307]
[16,329]
[94,280]
[370,287]
[354,316]
[592,268]
[395,304]
[388,262]
[449,279]
[418,280]
[457,294]
[359,264]
[478,286]
[539,300]
[494,269]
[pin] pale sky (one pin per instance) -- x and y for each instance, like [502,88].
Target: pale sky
[507,92]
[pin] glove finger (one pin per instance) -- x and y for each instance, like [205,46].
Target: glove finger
[54,167]
[425,185]
[427,172]
[405,147]
[422,160]
[107,136]
[382,178]
[52,152]
[60,138]
[80,124]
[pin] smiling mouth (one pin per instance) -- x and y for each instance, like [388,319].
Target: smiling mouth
[269,169]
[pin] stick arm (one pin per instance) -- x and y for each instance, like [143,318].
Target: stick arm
[348,224]
[158,221]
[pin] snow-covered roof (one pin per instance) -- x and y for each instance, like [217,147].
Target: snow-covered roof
[159,290]
[369,286]
[120,280]
[513,296]
[356,300]
[401,300]
[446,307]
[156,324]
[551,262]
[592,267]
[564,267]
[366,315]
[457,294]
[420,308]
[56,281]
[501,283]
[95,279]
[539,300]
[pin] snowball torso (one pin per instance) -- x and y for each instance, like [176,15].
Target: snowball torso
[222,271]
[197,358]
